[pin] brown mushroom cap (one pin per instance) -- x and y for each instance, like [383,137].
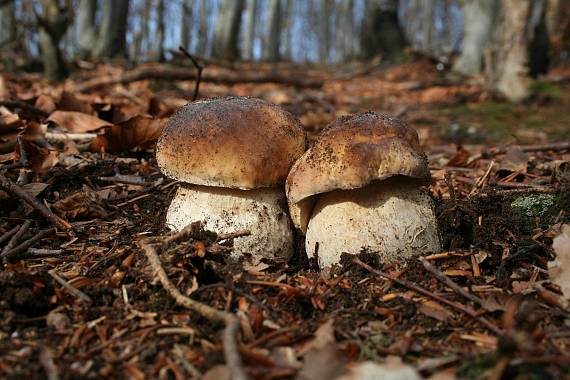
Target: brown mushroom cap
[351,153]
[234,142]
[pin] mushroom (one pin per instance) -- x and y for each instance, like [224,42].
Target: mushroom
[358,188]
[233,156]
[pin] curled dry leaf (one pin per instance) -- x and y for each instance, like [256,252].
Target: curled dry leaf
[45,103]
[70,102]
[77,121]
[81,204]
[559,268]
[461,158]
[137,132]
[39,154]
[10,123]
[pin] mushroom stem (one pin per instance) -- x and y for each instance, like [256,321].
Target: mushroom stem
[393,218]
[225,210]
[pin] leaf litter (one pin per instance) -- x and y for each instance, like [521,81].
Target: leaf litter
[79,297]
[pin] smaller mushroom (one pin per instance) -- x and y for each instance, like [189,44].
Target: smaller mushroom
[233,156]
[358,188]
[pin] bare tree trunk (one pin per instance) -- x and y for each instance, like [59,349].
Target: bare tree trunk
[381,33]
[160,30]
[273,37]
[52,26]
[325,30]
[86,27]
[203,28]
[185,23]
[112,37]
[249,38]
[7,23]
[507,62]
[344,32]
[288,27]
[226,35]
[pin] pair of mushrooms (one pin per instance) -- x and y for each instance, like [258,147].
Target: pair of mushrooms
[356,188]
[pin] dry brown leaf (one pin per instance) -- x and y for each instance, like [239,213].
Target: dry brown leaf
[46,103]
[461,158]
[559,268]
[138,131]
[39,154]
[85,203]
[516,160]
[70,102]
[77,121]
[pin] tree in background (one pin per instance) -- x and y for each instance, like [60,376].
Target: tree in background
[86,26]
[325,30]
[7,23]
[345,30]
[273,36]
[519,49]
[288,28]
[225,44]
[186,22]
[112,41]
[52,26]
[381,33]
[249,37]
[160,30]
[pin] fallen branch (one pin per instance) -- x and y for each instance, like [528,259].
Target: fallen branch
[11,187]
[73,290]
[8,234]
[17,237]
[229,336]
[441,277]
[462,308]
[507,185]
[12,254]
[556,147]
[178,74]
[65,136]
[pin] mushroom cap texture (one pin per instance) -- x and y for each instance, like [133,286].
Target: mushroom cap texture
[234,142]
[351,153]
[392,218]
[224,210]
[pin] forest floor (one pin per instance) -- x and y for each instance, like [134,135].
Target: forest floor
[80,300]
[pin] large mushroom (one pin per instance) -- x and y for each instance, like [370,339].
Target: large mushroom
[233,156]
[358,188]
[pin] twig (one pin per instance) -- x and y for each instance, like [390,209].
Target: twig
[122,178]
[506,185]
[481,181]
[8,234]
[557,146]
[46,360]
[462,308]
[229,337]
[11,254]
[73,290]
[11,187]
[233,235]
[64,136]
[17,236]
[198,66]
[38,252]
[441,277]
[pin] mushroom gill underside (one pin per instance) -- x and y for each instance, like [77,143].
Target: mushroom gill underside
[392,218]
[226,210]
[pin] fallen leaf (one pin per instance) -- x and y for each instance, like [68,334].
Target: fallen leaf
[38,153]
[559,268]
[138,131]
[45,103]
[70,102]
[516,160]
[77,121]
[85,203]
[461,158]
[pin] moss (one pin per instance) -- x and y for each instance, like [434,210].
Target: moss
[550,90]
[535,209]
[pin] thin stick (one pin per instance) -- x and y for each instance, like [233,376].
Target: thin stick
[24,106]
[462,308]
[73,290]
[198,66]
[8,234]
[10,255]
[11,187]
[17,236]
[229,336]
[233,235]
[441,277]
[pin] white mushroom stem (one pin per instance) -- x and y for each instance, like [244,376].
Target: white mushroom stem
[392,218]
[224,210]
